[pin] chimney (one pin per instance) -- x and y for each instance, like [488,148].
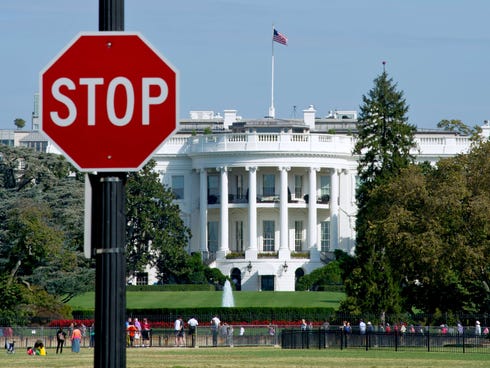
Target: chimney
[229,118]
[485,129]
[309,117]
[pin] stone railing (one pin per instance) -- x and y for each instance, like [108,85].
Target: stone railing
[430,146]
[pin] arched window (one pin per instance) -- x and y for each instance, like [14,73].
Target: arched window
[236,278]
[298,274]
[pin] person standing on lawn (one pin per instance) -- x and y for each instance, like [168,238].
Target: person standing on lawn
[60,339]
[192,329]
[76,338]
[145,332]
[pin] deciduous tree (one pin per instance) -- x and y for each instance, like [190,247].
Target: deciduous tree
[156,234]
[41,227]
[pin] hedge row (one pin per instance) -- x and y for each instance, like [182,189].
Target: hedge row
[172,287]
[236,314]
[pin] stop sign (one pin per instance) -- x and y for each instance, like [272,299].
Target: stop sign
[108,101]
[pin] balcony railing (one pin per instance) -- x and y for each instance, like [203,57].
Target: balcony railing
[427,145]
[233,198]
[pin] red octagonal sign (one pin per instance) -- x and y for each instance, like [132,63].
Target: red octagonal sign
[108,101]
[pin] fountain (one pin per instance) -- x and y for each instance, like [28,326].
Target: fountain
[228,300]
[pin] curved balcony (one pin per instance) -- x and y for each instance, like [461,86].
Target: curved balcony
[245,142]
[300,142]
[258,142]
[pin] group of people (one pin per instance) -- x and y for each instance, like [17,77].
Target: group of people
[37,349]
[405,328]
[138,333]
[75,335]
[306,325]
[179,330]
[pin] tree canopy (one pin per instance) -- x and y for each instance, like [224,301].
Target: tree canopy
[41,234]
[19,123]
[435,233]
[41,225]
[423,237]
[422,231]
[156,233]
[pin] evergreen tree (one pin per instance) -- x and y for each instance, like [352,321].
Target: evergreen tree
[383,145]
[384,137]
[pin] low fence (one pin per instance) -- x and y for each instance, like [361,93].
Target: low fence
[428,341]
[227,335]
[288,337]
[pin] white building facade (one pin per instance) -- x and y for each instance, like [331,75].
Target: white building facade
[269,200]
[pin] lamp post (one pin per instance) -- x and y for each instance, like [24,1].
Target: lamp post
[249,267]
[285,267]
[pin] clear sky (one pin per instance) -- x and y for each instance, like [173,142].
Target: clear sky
[437,51]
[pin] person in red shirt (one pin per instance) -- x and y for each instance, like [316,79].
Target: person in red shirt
[145,332]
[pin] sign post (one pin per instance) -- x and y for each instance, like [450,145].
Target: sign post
[109,233]
[108,102]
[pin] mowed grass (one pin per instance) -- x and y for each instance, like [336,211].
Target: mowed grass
[252,358]
[189,299]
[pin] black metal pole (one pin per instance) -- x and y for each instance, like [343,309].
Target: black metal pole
[109,221]
[108,240]
[111,15]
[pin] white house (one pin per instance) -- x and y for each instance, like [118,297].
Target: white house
[269,200]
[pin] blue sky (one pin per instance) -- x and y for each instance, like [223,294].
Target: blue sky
[437,51]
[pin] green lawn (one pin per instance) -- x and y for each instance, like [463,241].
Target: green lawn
[181,299]
[253,358]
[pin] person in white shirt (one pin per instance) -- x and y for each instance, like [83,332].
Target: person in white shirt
[215,322]
[362,327]
[179,331]
[193,323]
[477,328]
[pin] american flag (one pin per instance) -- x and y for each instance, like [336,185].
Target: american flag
[279,38]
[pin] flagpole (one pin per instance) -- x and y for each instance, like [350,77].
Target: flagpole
[272,112]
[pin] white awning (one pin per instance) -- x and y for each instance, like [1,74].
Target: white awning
[266,270]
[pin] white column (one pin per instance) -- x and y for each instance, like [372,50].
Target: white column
[203,212]
[223,246]
[334,209]
[312,216]
[251,251]
[284,251]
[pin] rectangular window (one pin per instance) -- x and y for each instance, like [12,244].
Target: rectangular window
[178,186]
[358,182]
[239,187]
[213,230]
[239,236]
[213,189]
[324,185]
[269,185]
[268,244]
[325,236]
[298,236]
[267,283]
[298,186]
[142,278]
